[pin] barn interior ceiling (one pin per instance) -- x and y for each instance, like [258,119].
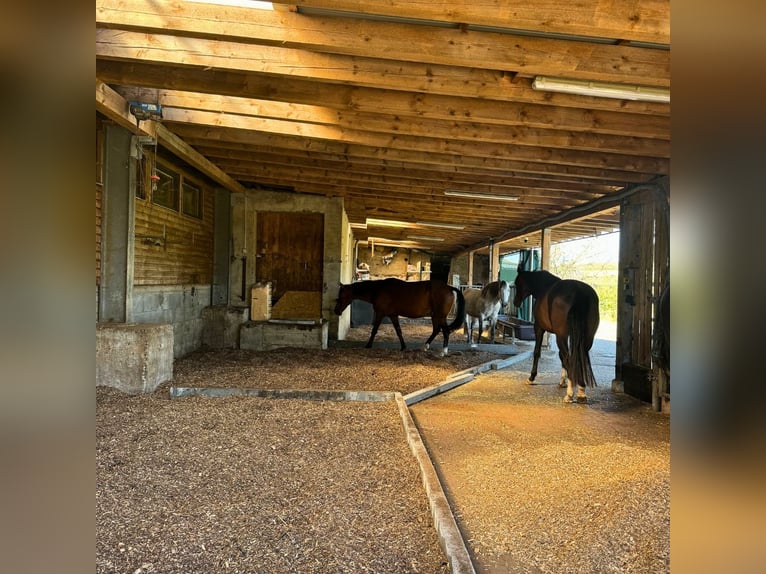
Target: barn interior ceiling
[423,114]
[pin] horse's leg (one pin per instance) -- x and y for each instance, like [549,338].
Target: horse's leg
[434,332]
[564,358]
[398,329]
[375,324]
[492,330]
[539,331]
[469,329]
[481,329]
[445,333]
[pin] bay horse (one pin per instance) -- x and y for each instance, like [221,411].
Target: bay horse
[569,309]
[393,298]
[484,305]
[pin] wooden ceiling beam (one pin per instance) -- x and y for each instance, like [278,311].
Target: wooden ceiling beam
[115,107]
[182,102]
[643,20]
[400,41]
[657,165]
[281,62]
[346,98]
[254,142]
[389,184]
[278,159]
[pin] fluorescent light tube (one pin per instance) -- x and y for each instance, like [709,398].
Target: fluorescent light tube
[601,89]
[425,238]
[437,224]
[388,222]
[456,193]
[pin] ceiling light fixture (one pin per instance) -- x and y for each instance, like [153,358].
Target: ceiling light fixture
[388,222]
[601,89]
[456,193]
[443,225]
[425,238]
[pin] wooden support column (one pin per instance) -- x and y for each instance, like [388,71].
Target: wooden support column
[545,248]
[470,267]
[494,262]
[545,262]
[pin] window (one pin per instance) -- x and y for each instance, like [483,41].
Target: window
[190,200]
[166,191]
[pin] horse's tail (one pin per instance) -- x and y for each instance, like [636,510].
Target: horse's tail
[582,323]
[460,313]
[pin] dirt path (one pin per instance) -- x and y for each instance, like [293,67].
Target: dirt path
[540,486]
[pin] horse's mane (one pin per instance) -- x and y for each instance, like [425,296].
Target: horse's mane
[541,279]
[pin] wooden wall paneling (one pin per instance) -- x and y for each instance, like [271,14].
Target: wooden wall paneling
[172,248]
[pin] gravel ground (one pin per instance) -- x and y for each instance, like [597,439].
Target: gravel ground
[245,484]
[538,486]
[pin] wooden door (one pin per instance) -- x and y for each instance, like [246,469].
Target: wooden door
[289,251]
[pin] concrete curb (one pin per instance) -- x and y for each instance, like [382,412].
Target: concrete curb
[314,395]
[450,538]
[503,363]
[462,377]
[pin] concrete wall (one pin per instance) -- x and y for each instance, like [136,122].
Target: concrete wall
[180,306]
[400,266]
[133,358]
[339,326]
[460,267]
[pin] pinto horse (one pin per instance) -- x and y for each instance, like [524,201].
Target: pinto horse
[394,297]
[568,309]
[484,305]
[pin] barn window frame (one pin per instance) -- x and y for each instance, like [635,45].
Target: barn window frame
[191,199]
[169,180]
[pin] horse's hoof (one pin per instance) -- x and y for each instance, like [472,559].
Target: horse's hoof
[530,382]
[567,399]
[582,400]
[562,384]
[474,345]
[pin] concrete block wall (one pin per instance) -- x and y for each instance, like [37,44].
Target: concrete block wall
[178,305]
[268,335]
[132,357]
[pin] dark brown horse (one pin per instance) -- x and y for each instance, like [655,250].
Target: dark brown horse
[393,298]
[568,309]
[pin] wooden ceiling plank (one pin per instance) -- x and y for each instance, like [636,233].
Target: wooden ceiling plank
[343,97]
[410,171]
[311,131]
[278,61]
[390,184]
[644,21]
[409,42]
[384,123]
[254,142]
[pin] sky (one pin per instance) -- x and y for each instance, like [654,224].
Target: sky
[602,249]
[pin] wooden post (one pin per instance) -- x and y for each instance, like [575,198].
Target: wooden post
[545,248]
[545,261]
[470,268]
[494,262]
